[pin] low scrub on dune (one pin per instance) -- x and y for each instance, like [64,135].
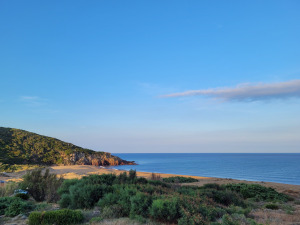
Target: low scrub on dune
[258,192]
[142,200]
[57,217]
[129,196]
[13,206]
[180,180]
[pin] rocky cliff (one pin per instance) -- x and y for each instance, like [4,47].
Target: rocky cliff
[106,159]
[23,147]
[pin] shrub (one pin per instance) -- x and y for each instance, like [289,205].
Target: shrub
[165,210]
[13,206]
[107,179]
[65,186]
[272,206]
[212,186]
[121,196]
[132,175]
[227,198]
[125,195]
[140,204]
[158,183]
[258,192]
[122,178]
[141,180]
[180,180]
[22,196]
[85,196]
[96,220]
[42,206]
[108,200]
[227,220]
[42,186]
[58,217]
[65,201]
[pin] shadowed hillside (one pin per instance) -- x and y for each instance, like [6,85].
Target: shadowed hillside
[23,147]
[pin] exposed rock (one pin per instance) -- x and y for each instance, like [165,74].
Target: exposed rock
[95,159]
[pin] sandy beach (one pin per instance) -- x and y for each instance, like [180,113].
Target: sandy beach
[78,171]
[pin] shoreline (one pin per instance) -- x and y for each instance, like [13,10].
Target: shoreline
[78,171]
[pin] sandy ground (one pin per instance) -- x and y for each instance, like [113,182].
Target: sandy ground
[78,171]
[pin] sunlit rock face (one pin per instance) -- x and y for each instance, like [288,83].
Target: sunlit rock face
[95,159]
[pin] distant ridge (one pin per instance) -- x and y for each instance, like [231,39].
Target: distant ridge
[23,147]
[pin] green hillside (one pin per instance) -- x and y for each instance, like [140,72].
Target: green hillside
[23,147]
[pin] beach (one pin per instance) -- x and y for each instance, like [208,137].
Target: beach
[78,171]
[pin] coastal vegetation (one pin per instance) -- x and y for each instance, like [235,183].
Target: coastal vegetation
[179,180]
[139,199]
[19,148]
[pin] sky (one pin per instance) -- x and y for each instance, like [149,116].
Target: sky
[154,76]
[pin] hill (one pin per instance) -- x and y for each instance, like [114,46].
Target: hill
[23,147]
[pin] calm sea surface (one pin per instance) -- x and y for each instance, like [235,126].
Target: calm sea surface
[281,168]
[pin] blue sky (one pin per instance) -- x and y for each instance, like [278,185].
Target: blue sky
[153,76]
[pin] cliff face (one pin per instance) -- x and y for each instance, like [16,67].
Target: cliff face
[106,159]
[23,147]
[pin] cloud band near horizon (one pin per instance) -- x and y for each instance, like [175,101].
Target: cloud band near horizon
[247,91]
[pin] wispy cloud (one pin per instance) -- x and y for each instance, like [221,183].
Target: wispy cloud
[33,100]
[247,91]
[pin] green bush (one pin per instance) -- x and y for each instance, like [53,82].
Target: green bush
[121,196]
[65,186]
[158,183]
[42,185]
[272,206]
[108,179]
[165,210]
[108,200]
[227,198]
[180,180]
[13,206]
[140,204]
[212,186]
[125,195]
[65,201]
[85,196]
[132,175]
[122,178]
[22,196]
[58,217]
[96,220]
[35,218]
[258,192]
[228,220]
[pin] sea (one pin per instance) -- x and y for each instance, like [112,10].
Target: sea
[280,168]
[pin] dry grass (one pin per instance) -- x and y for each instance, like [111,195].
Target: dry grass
[121,221]
[155,176]
[8,189]
[275,217]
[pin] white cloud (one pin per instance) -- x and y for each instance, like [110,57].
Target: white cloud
[247,92]
[32,100]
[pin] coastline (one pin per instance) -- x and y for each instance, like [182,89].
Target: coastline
[78,171]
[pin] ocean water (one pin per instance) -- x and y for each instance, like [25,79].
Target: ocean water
[281,168]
